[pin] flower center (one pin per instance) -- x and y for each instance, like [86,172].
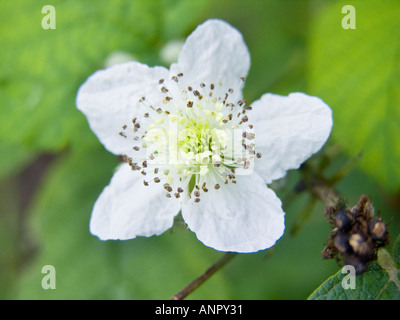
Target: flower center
[199,138]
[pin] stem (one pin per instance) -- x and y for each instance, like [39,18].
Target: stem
[207,274]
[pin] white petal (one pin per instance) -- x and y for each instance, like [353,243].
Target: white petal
[109,99]
[242,217]
[127,209]
[288,131]
[215,52]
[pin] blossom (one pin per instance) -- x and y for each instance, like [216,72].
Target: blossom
[192,144]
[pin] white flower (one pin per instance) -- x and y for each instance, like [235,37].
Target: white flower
[191,143]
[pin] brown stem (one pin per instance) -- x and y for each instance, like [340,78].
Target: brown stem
[326,193]
[207,274]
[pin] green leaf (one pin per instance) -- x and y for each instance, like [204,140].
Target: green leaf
[357,72]
[379,282]
[396,250]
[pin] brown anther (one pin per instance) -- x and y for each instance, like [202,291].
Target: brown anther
[136,148]
[180,190]
[217,186]
[250,135]
[189,104]
[197,200]
[157,180]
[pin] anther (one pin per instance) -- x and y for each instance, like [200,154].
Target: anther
[197,200]
[164,90]
[250,136]
[189,104]
[157,180]
[217,186]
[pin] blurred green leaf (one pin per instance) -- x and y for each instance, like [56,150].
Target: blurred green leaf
[357,72]
[13,158]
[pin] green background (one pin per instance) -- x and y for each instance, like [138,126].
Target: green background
[52,167]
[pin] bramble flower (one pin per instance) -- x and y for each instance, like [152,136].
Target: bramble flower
[191,143]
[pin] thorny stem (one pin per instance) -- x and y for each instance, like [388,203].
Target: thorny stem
[207,274]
